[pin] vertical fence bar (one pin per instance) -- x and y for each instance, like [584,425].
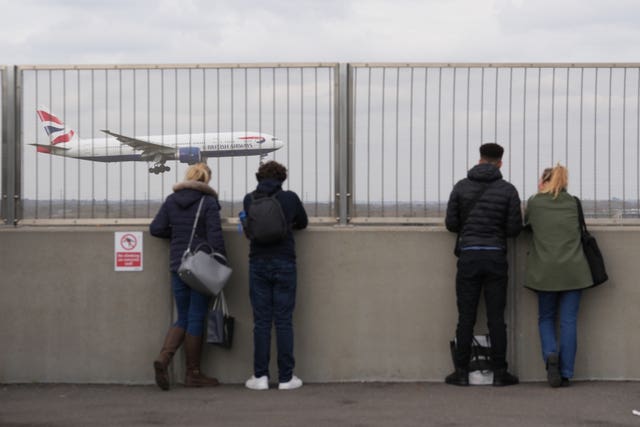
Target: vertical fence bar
[524,134]
[566,123]
[624,141]
[538,123]
[411,146]
[581,124]
[397,137]
[11,157]
[78,161]
[510,117]
[425,126]
[369,144]
[482,106]
[64,159]
[495,110]
[468,107]
[439,129]
[553,116]
[453,126]
[342,127]
[595,145]
[384,83]
[609,142]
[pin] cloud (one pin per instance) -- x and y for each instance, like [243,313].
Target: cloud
[169,31]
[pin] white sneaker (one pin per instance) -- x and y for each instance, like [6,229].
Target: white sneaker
[254,383]
[292,384]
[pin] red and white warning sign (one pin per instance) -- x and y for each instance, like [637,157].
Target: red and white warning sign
[128,250]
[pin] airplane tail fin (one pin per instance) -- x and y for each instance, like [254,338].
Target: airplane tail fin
[56,130]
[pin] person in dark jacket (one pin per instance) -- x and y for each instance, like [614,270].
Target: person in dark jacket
[272,283]
[557,270]
[175,221]
[484,210]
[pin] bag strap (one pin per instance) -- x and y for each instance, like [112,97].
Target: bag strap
[583,225]
[195,222]
[225,307]
[473,205]
[221,301]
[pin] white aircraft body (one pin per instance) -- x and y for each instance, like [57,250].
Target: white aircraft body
[185,148]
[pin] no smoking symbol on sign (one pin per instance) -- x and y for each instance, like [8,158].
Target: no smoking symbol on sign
[128,242]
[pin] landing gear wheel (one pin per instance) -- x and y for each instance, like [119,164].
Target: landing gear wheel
[159,169]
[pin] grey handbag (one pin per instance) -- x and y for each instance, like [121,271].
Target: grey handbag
[204,272]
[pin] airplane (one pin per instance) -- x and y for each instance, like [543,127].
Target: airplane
[185,148]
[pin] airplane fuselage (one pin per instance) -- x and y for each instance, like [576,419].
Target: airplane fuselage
[109,149]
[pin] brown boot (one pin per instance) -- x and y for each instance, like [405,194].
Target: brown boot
[172,341]
[193,350]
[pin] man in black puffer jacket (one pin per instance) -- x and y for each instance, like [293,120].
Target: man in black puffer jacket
[484,210]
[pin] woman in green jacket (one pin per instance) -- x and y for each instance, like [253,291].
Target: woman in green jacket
[557,270]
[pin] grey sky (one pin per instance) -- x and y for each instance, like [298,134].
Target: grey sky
[168,31]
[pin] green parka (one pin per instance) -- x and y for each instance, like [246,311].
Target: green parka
[555,260]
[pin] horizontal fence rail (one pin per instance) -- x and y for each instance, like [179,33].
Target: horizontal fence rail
[379,143]
[177,106]
[417,129]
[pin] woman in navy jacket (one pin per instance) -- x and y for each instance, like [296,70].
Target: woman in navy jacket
[175,221]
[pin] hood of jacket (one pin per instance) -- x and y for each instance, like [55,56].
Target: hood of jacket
[187,193]
[484,172]
[269,186]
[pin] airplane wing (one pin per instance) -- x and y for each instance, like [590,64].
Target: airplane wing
[138,144]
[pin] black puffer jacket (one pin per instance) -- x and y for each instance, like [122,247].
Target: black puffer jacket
[495,216]
[175,219]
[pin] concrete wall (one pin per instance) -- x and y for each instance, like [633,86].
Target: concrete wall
[373,303]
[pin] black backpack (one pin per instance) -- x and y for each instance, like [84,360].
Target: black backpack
[265,222]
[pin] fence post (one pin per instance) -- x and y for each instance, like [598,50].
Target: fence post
[10,145]
[343,132]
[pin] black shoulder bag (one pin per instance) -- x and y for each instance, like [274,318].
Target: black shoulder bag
[591,251]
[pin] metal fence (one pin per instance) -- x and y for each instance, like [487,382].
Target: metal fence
[417,129]
[293,102]
[362,142]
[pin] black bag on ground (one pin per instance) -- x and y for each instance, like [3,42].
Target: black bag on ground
[220,323]
[265,221]
[592,251]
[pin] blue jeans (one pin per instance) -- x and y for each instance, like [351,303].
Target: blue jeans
[272,288]
[566,305]
[192,306]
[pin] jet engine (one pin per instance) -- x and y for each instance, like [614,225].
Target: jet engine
[189,155]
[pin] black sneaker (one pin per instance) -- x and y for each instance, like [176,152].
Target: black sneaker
[553,370]
[565,382]
[502,378]
[458,377]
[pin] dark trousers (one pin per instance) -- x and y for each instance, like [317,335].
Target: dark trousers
[272,286]
[480,270]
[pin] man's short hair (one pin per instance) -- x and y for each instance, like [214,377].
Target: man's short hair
[271,169]
[491,152]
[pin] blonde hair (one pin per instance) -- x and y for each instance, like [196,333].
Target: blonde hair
[555,180]
[198,172]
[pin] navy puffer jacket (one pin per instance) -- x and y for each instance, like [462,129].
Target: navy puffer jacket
[494,217]
[175,219]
